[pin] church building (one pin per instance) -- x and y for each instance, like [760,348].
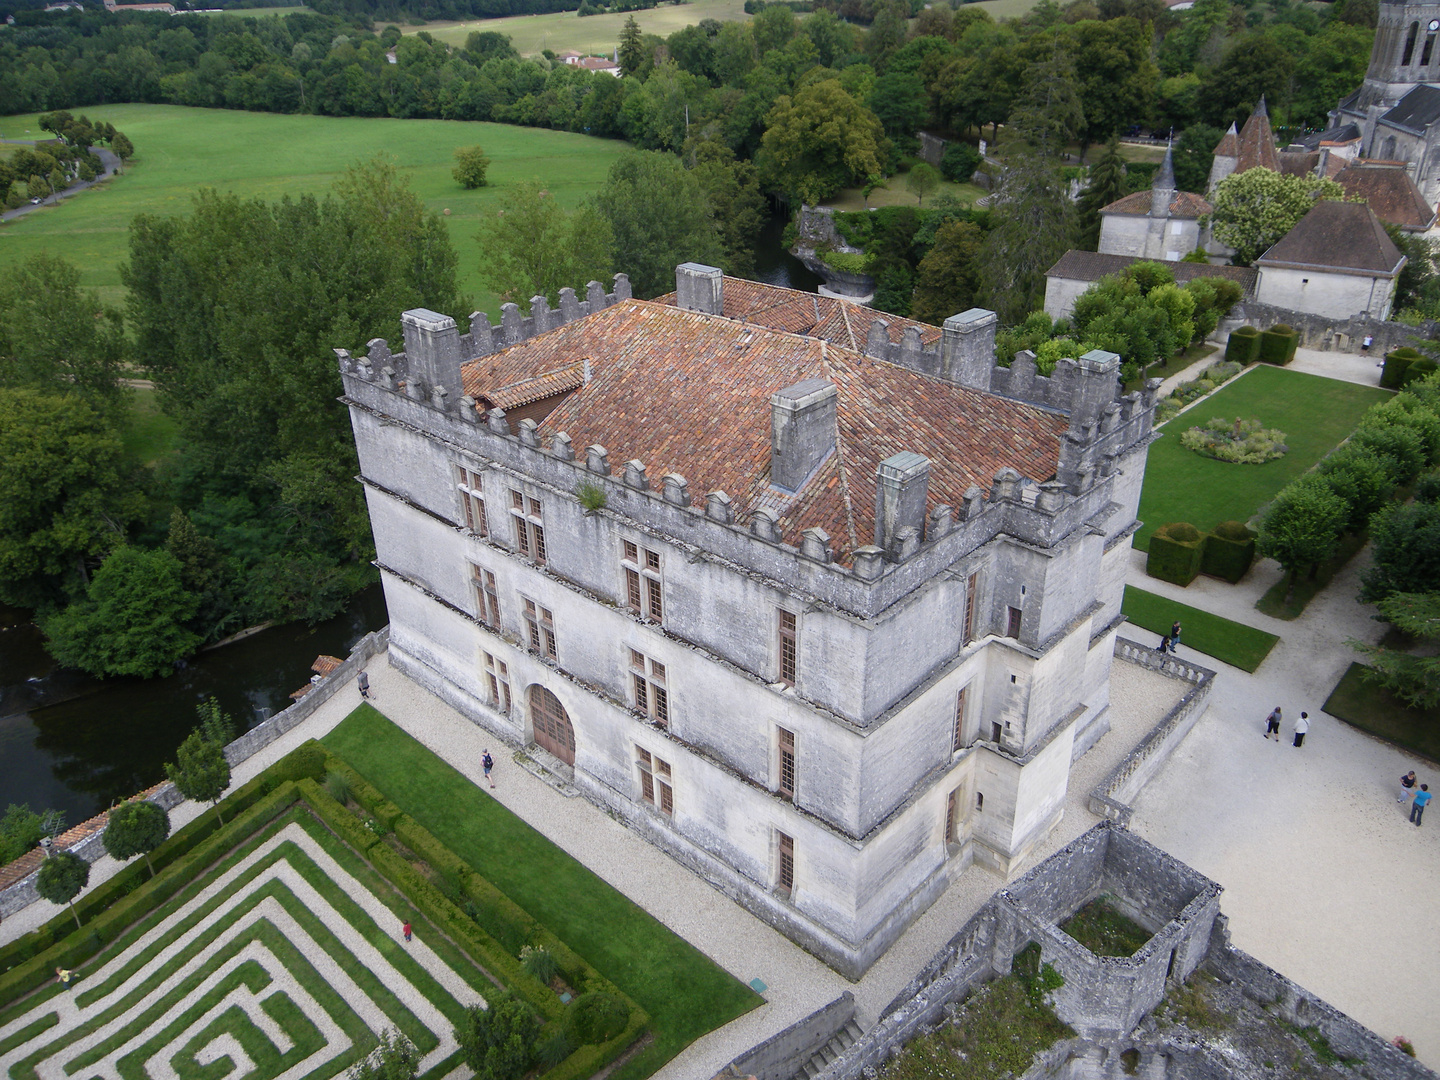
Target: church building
[823,604]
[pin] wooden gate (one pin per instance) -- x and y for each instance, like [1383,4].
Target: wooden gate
[552,726]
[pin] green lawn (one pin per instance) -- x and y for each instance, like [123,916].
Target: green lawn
[149,433]
[1314,412]
[561,30]
[684,992]
[263,154]
[1376,711]
[1227,641]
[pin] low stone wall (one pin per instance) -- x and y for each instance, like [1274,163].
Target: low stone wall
[782,1056]
[1326,333]
[17,880]
[932,148]
[1296,1005]
[1112,797]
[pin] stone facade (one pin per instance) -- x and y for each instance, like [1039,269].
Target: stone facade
[827,731]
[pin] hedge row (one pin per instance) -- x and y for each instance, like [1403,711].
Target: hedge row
[1404,366]
[305,760]
[124,911]
[1243,345]
[1179,552]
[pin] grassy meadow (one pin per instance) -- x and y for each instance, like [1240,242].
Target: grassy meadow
[561,30]
[180,150]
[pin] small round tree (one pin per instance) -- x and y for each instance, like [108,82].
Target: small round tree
[61,878]
[923,180]
[200,771]
[136,828]
[470,166]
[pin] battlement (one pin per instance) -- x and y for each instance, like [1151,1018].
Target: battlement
[920,541]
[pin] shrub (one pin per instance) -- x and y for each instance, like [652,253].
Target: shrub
[959,162]
[1243,442]
[1427,488]
[1229,551]
[1243,345]
[1277,345]
[1408,411]
[847,262]
[1397,362]
[1175,554]
[498,1042]
[337,787]
[539,963]
[554,1048]
[1420,369]
[597,1016]
[591,495]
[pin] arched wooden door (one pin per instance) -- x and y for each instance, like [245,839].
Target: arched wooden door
[552,726]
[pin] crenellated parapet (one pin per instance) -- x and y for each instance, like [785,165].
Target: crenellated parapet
[914,539]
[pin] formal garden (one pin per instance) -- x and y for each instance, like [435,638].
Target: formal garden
[275,944]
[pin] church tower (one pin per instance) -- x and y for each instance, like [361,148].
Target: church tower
[1406,53]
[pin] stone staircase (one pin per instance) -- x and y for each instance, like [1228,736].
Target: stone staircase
[822,1058]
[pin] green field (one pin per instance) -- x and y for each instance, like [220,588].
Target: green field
[1226,640]
[1376,711]
[684,992]
[149,434]
[561,30]
[1314,412]
[180,150]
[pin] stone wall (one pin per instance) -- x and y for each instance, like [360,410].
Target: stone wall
[1328,334]
[87,839]
[782,1056]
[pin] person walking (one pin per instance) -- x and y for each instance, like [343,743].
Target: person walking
[1301,727]
[1174,636]
[407,930]
[1165,644]
[488,763]
[1407,786]
[363,681]
[1422,800]
[1272,723]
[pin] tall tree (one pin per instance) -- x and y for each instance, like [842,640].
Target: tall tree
[61,878]
[1117,79]
[533,247]
[819,141]
[1107,183]
[200,771]
[1300,528]
[1032,225]
[632,49]
[56,337]
[1256,208]
[1049,114]
[736,202]
[64,500]
[1194,154]
[659,217]
[1414,679]
[948,278]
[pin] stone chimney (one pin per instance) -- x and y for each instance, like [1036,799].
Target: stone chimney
[700,288]
[902,487]
[1096,385]
[967,348]
[432,349]
[802,430]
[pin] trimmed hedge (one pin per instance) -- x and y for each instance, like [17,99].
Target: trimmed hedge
[1243,345]
[1277,345]
[125,910]
[1397,363]
[1175,554]
[1419,369]
[299,763]
[1228,552]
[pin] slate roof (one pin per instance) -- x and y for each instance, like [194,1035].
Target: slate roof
[1388,190]
[1416,111]
[1092,266]
[1185,204]
[837,321]
[1339,237]
[690,393]
[1337,136]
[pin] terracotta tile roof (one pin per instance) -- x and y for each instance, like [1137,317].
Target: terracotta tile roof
[535,387]
[1229,146]
[324,665]
[690,393]
[1185,204]
[1092,266]
[1305,162]
[1388,190]
[837,321]
[1257,143]
[1341,237]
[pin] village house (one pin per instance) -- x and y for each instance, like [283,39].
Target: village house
[820,603]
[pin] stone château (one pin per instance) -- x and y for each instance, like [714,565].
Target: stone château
[821,604]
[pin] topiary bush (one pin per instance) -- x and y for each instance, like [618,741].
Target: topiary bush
[1176,551]
[1419,369]
[1229,551]
[1277,345]
[1243,345]
[596,1016]
[1397,362]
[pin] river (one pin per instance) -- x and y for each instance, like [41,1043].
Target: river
[77,744]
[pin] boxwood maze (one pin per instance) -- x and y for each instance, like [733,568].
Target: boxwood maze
[283,963]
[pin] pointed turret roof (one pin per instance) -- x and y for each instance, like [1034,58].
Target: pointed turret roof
[1229,146]
[1165,175]
[1257,142]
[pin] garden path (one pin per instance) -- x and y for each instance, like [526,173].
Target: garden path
[1324,878]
